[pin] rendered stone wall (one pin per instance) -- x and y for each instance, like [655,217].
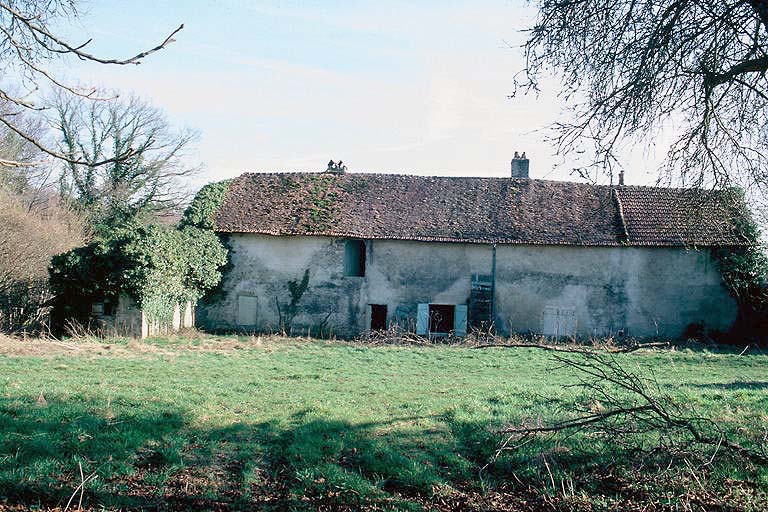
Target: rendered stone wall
[129,320]
[640,291]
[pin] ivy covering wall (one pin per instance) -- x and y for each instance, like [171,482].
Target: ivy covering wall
[744,271]
[159,267]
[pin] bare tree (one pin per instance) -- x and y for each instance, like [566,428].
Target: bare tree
[13,148]
[28,44]
[95,136]
[635,69]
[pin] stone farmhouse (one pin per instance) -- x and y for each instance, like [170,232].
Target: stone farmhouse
[343,253]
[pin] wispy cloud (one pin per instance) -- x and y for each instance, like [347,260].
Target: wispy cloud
[395,86]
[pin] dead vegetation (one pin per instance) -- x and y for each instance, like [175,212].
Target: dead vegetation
[396,335]
[30,236]
[90,344]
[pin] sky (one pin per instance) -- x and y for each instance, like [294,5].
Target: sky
[393,87]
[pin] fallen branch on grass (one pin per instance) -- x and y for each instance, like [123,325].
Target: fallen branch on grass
[575,423]
[573,349]
[624,407]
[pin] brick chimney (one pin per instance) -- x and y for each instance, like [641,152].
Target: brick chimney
[520,166]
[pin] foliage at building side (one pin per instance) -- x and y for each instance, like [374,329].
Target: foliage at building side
[159,267]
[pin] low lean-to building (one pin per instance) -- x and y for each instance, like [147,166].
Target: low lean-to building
[340,254]
[123,317]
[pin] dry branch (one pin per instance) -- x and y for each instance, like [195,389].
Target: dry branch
[573,349]
[630,407]
[29,44]
[694,73]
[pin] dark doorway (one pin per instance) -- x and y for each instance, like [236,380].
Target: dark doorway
[441,318]
[378,317]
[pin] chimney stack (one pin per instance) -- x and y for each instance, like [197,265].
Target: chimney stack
[520,166]
[336,167]
[621,178]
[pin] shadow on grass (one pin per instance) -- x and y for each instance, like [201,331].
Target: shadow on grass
[152,456]
[155,457]
[734,386]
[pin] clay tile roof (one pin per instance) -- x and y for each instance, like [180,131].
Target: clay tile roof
[479,210]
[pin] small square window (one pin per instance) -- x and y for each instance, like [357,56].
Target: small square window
[354,258]
[441,319]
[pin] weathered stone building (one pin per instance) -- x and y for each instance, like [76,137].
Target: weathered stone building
[344,253]
[123,317]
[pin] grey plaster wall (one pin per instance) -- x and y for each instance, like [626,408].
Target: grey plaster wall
[642,291]
[128,319]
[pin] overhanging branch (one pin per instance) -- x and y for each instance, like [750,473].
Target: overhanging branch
[758,65]
[66,47]
[61,156]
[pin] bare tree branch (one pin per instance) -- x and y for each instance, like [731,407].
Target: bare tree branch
[66,47]
[695,71]
[122,157]
[28,45]
[624,408]
[61,156]
[573,349]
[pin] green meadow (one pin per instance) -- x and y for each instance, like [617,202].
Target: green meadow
[268,423]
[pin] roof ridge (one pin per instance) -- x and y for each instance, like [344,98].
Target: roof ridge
[483,178]
[425,177]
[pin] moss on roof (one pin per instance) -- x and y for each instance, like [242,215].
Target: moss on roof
[478,210]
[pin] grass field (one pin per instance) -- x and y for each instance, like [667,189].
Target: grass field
[268,423]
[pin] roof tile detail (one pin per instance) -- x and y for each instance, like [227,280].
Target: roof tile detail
[476,210]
